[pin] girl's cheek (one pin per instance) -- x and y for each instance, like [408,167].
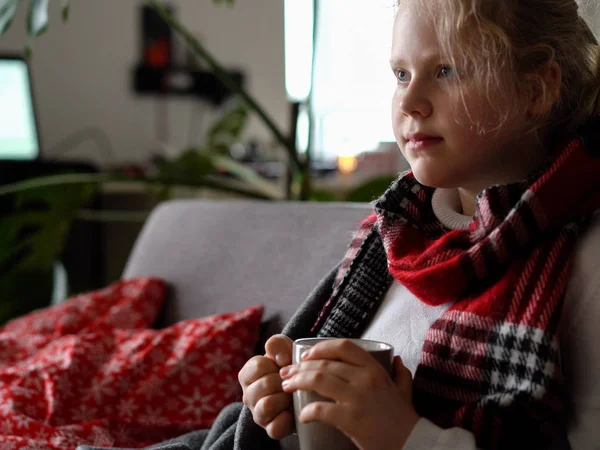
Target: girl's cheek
[396,99]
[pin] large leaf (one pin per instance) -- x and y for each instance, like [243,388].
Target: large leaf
[37,22]
[11,228]
[33,230]
[39,225]
[63,200]
[8,8]
[42,246]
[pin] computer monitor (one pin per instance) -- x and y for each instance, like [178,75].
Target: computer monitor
[19,136]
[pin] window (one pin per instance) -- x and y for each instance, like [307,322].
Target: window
[352,81]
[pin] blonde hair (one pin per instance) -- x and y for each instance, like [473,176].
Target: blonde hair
[507,45]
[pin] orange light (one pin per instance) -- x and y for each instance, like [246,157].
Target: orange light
[347,164]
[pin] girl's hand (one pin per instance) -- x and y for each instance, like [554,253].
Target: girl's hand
[261,384]
[375,411]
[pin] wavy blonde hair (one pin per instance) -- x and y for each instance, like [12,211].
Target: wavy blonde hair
[504,47]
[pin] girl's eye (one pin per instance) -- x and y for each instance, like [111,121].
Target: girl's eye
[446,72]
[402,76]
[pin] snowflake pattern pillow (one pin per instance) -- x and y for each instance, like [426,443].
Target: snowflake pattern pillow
[124,304]
[107,382]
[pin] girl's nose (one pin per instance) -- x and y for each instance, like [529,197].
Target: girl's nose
[414,101]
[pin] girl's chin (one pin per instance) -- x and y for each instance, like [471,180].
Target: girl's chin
[434,178]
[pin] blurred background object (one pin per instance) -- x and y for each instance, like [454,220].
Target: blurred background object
[133,110]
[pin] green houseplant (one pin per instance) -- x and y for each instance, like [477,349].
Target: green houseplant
[38,213]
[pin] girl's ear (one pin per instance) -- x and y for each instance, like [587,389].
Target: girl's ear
[546,91]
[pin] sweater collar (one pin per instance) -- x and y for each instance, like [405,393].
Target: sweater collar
[446,206]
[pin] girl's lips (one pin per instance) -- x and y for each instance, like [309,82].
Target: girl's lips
[422,143]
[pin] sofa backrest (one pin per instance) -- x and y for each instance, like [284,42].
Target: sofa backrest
[221,256]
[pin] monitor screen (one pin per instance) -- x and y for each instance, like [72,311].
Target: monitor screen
[19,138]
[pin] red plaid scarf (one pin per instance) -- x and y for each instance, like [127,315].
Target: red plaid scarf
[490,364]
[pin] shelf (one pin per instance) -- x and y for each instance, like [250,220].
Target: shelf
[179,81]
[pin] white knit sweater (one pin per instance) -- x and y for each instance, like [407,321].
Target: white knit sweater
[403,320]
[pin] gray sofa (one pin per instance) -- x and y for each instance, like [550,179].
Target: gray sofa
[220,256]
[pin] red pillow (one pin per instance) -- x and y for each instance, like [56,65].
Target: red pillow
[124,304]
[122,387]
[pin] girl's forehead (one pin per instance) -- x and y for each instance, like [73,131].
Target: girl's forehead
[419,32]
[414,34]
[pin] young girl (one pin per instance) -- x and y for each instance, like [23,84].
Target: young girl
[479,266]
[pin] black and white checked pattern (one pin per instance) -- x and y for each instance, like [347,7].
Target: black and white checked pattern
[522,358]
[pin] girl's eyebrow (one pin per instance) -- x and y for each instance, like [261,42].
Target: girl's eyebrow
[426,58]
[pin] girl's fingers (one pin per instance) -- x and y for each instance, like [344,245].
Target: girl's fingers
[256,368]
[341,350]
[269,407]
[323,412]
[263,387]
[279,349]
[281,426]
[324,384]
[339,369]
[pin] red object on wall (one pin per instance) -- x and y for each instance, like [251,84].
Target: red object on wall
[157,55]
[157,39]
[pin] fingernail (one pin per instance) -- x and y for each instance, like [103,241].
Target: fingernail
[286,370]
[280,359]
[285,383]
[305,355]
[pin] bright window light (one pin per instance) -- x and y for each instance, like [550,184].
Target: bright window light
[353,83]
[299,21]
[303,129]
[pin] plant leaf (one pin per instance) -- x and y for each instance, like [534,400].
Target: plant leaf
[63,200]
[227,130]
[45,245]
[37,216]
[248,175]
[35,232]
[191,166]
[65,10]
[49,181]
[8,8]
[38,17]
[11,228]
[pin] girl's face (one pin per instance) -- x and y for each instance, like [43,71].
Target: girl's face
[436,133]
